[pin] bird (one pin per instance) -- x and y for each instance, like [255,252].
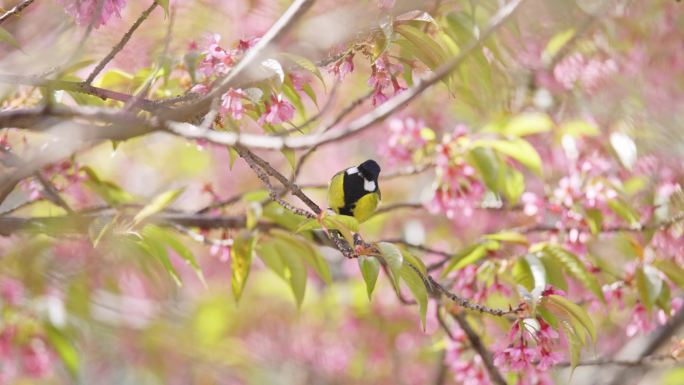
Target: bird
[355,191]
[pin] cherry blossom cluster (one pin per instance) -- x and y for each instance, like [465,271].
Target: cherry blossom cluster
[383,76]
[530,351]
[217,61]
[459,189]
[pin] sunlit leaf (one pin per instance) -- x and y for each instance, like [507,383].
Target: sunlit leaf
[672,271]
[648,285]
[65,349]
[518,149]
[6,37]
[488,166]
[624,210]
[466,257]
[573,266]
[427,50]
[303,63]
[108,191]
[393,258]
[170,239]
[528,124]
[159,203]
[577,128]
[241,260]
[576,312]
[370,268]
[156,248]
[508,236]
[165,6]
[556,43]
[308,252]
[294,270]
[254,213]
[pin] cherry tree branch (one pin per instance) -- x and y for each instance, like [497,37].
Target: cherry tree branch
[16,10]
[121,44]
[356,126]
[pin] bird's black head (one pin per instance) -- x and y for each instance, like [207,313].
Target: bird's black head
[370,169]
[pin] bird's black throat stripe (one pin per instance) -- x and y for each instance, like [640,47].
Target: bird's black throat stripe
[353,191]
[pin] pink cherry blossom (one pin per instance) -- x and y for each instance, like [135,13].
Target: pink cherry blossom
[231,103]
[278,111]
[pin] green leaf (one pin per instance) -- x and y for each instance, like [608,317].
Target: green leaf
[518,149]
[508,236]
[108,191]
[672,271]
[254,213]
[466,257]
[304,63]
[488,166]
[370,268]
[594,218]
[7,37]
[575,344]
[649,285]
[311,94]
[625,211]
[522,274]
[308,252]
[554,274]
[427,50]
[64,348]
[393,258]
[233,156]
[413,260]
[165,6]
[578,128]
[417,287]
[293,96]
[169,239]
[664,299]
[556,43]
[576,312]
[241,260]
[159,203]
[575,268]
[514,185]
[310,224]
[155,248]
[289,154]
[294,270]
[528,124]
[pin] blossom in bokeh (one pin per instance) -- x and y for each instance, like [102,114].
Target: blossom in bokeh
[231,103]
[383,75]
[11,291]
[86,11]
[406,137]
[343,67]
[589,74]
[277,111]
[37,359]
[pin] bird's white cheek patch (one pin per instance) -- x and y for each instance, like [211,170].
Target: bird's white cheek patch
[368,185]
[352,171]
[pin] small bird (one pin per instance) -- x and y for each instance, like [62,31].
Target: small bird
[355,191]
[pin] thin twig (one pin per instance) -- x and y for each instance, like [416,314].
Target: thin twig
[469,305]
[121,44]
[52,193]
[16,10]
